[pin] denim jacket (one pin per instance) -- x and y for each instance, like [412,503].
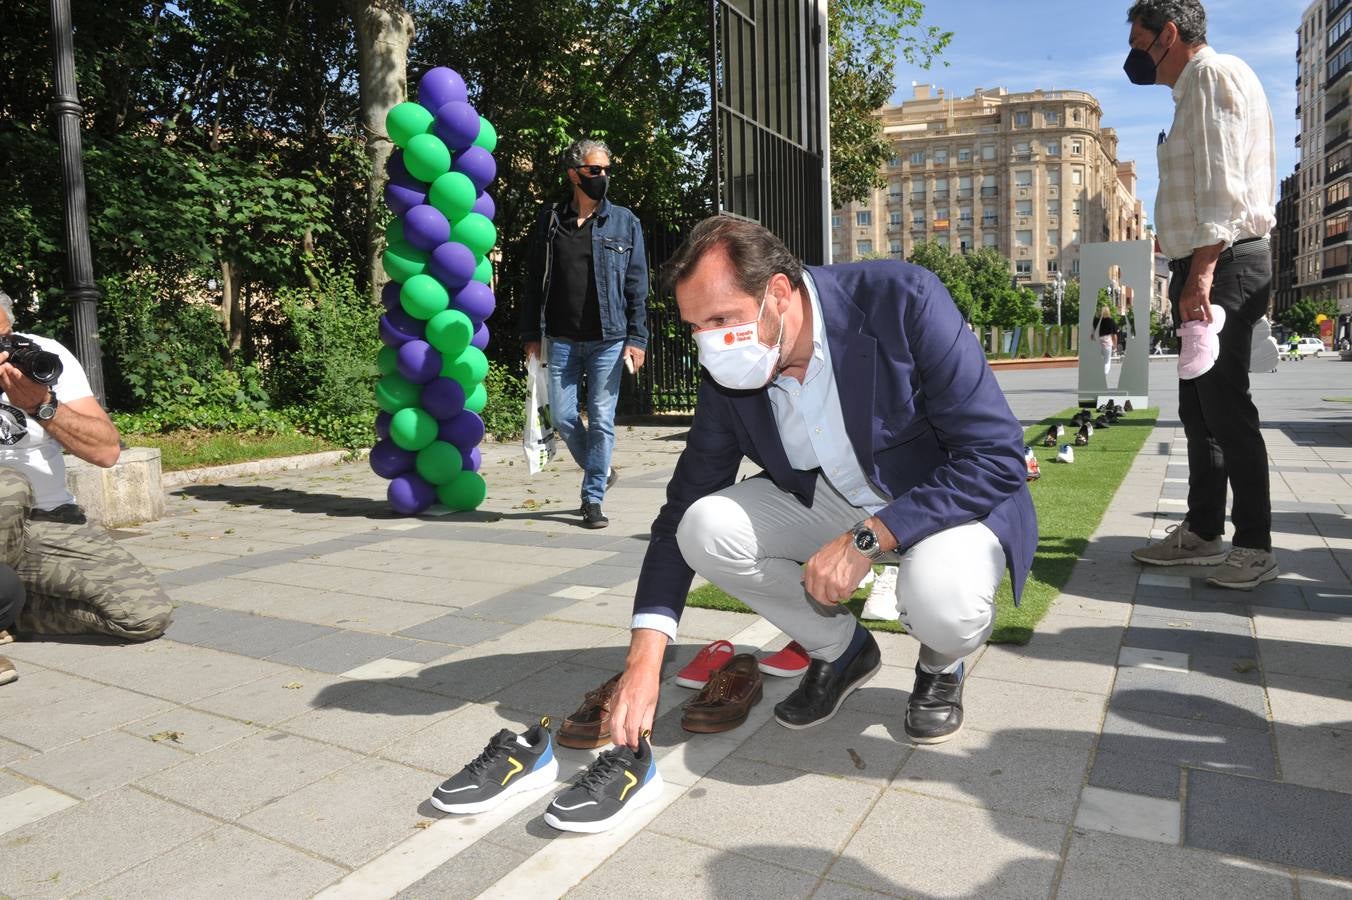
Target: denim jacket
[621,267]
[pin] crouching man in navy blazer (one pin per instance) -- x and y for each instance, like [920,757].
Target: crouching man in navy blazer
[860,392]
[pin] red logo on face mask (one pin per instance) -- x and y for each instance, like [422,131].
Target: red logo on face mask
[728,338]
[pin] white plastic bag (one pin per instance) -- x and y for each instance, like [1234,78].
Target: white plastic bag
[540,442]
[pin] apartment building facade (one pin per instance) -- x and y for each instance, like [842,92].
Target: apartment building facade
[1031,174]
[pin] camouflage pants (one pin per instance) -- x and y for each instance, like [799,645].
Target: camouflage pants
[77,579]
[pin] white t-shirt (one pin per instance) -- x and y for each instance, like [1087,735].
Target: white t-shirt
[25,444]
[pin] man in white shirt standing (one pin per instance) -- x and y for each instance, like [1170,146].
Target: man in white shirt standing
[1213,210]
[75,578]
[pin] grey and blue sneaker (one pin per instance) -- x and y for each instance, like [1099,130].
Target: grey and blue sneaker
[510,764]
[616,783]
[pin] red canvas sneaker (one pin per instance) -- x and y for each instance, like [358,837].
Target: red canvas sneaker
[792,660]
[706,662]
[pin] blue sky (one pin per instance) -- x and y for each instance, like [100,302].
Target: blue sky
[1079,45]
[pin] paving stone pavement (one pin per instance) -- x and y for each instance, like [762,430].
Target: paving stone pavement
[330,663]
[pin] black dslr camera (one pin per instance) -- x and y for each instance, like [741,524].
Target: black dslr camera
[26,356]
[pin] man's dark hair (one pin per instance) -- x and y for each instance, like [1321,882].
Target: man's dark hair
[754,251]
[1187,15]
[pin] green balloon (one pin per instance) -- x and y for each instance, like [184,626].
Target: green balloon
[439,462]
[387,360]
[395,392]
[466,492]
[477,400]
[402,261]
[422,297]
[475,231]
[412,428]
[450,331]
[405,121]
[426,157]
[484,271]
[394,232]
[453,194]
[488,135]
[469,368]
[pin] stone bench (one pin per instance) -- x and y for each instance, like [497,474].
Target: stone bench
[127,494]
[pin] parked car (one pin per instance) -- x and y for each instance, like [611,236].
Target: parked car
[1310,346]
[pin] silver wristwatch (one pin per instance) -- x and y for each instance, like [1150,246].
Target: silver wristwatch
[866,541]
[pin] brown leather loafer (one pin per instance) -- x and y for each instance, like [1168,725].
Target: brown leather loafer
[726,698]
[589,727]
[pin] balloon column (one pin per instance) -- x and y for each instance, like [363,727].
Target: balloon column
[431,391]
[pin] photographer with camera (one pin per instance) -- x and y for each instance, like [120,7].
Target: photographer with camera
[75,578]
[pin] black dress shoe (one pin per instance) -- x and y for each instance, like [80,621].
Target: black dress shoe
[934,713]
[821,691]
[1082,437]
[592,517]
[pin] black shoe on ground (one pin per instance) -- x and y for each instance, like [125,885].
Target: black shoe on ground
[820,693]
[1082,437]
[619,781]
[592,517]
[510,764]
[934,713]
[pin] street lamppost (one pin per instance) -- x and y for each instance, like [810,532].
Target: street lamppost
[80,287]
[1059,292]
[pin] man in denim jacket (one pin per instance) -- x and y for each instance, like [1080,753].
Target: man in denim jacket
[587,292]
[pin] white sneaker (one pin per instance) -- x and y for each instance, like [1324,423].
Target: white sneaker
[1244,569]
[1066,454]
[881,605]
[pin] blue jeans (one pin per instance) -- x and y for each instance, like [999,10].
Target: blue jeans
[591,447]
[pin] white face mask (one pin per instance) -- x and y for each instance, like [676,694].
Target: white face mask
[734,355]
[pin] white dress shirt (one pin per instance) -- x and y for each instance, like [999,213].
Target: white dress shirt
[1218,165]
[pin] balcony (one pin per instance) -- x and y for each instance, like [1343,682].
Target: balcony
[964,193]
[918,226]
[989,192]
[990,221]
[941,195]
[1333,111]
[1336,205]
[1333,141]
[1335,76]
[1334,239]
[1336,168]
[1334,7]
[1335,271]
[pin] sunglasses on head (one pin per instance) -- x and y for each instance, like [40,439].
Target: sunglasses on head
[593,171]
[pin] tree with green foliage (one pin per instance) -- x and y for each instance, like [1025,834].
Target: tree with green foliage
[866,39]
[1070,304]
[952,271]
[1302,316]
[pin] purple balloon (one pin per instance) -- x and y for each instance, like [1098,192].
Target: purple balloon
[409,494]
[402,191]
[484,205]
[457,125]
[425,227]
[383,425]
[440,86]
[473,459]
[480,338]
[397,328]
[477,165]
[389,296]
[443,398]
[464,431]
[419,362]
[388,460]
[453,265]
[474,300]
[394,165]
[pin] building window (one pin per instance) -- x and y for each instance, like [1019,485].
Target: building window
[1053,207]
[1023,267]
[1077,148]
[1339,191]
[894,161]
[988,187]
[863,248]
[894,218]
[989,218]
[1023,119]
[917,157]
[1023,207]
[1053,237]
[1077,176]
[1053,267]
[1340,28]
[1053,148]
[1075,117]
[1023,178]
[835,220]
[988,240]
[964,154]
[1075,206]
[941,218]
[988,152]
[1023,238]
[942,239]
[863,218]
[894,190]
[1054,176]
[965,187]
[1336,227]
[894,247]
[1022,150]
[941,155]
[1051,117]
[965,216]
[1075,239]
[835,251]
[941,189]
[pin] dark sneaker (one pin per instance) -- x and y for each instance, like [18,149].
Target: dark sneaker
[820,693]
[934,713]
[592,517]
[1049,439]
[618,782]
[1244,569]
[510,764]
[1082,436]
[7,671]
[1181,547]
[1127,407]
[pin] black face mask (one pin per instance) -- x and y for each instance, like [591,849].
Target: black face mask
[594,186]
[1140,67]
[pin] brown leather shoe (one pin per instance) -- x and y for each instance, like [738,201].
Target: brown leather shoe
[726,698]
[589,727]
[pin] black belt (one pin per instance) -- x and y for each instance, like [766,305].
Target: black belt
[1227,254]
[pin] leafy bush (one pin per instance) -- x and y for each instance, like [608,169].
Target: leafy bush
[504,415]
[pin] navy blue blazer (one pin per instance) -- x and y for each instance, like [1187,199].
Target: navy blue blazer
[926,417]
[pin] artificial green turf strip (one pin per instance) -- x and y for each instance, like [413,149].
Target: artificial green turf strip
[1070,502]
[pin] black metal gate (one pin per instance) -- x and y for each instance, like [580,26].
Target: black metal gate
[767,119]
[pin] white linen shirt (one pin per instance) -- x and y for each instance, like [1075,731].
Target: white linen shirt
[1218,164]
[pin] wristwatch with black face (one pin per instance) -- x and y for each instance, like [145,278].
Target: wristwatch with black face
[866,541]
[47,408]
